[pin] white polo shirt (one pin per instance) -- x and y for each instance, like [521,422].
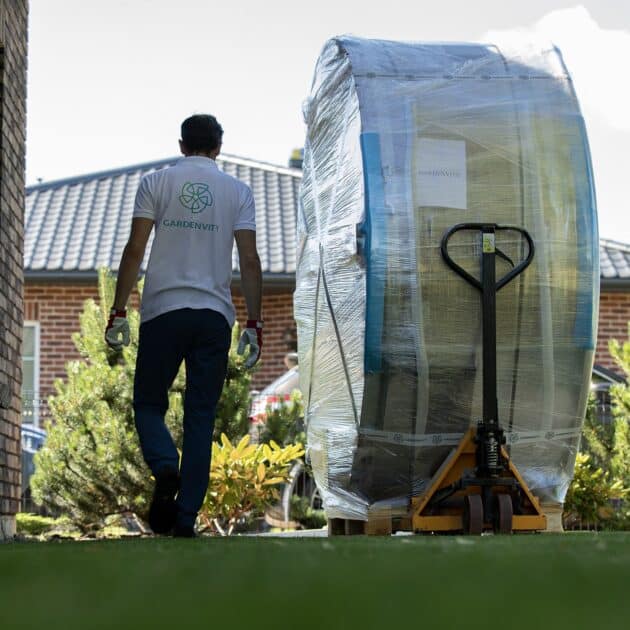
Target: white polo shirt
[196,209]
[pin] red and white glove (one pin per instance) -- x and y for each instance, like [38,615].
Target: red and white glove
[252,337]
[117,326]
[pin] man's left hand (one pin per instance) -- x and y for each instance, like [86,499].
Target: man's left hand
[252,337]
[117,326]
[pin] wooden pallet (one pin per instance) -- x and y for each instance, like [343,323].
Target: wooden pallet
[376,526]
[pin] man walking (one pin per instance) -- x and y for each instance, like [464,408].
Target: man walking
[187,312]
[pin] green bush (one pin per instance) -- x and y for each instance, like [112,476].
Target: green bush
[36,525]
[599,494]
[303,513]
[232,416]
[244,480]
[589,501]
[285,424]
[620,394]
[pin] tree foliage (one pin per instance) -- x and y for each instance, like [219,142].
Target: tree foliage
[620,451]
[232,417]
[285,423]
[589,501]
[600,492]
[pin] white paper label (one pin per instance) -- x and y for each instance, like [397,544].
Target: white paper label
[441,173]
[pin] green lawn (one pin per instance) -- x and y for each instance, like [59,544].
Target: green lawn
[536,582]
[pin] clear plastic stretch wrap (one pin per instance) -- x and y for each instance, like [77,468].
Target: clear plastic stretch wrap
[405,141]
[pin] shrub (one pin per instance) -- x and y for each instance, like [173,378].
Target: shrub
[598,495]
[232,416]
[620,394]
[589,501]
[36,525]
[285,423]
[308,517]
[244,479]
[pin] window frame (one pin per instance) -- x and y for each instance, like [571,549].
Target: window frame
[36,364]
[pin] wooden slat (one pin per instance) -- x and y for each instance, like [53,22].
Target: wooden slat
[379,526]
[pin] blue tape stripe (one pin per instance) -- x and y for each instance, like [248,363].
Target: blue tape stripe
[374,231]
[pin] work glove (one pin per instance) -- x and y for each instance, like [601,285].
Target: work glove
[252,337]
[117,326]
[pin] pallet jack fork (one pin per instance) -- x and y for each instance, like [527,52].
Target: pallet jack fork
[478,487]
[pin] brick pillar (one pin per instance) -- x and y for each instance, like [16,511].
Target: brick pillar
[13,23]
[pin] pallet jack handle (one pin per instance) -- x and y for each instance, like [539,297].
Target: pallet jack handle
[490,435]
[488,230]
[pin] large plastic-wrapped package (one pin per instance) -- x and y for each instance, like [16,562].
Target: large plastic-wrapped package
[404,141]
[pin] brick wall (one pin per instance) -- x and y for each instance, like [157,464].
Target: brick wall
[56,307]
[614,315]
[13,22]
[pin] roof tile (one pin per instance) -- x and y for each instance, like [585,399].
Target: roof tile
[614,258]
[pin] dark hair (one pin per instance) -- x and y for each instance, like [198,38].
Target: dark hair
[201,133]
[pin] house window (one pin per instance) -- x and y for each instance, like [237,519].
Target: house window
[30,374]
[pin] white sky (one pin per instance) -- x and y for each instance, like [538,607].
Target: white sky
[110,81]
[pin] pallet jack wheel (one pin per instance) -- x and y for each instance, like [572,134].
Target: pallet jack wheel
[504,512]
[473,515]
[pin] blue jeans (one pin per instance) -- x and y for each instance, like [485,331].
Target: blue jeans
[201,338]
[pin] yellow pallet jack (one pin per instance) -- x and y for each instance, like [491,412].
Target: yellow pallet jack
[478,488]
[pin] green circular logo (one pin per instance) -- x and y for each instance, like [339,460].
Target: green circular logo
[196,197]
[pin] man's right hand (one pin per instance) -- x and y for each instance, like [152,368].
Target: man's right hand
[117,326]
[252,337]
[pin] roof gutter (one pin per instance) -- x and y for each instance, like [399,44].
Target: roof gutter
[614,284]
[274,282]
[53,277]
